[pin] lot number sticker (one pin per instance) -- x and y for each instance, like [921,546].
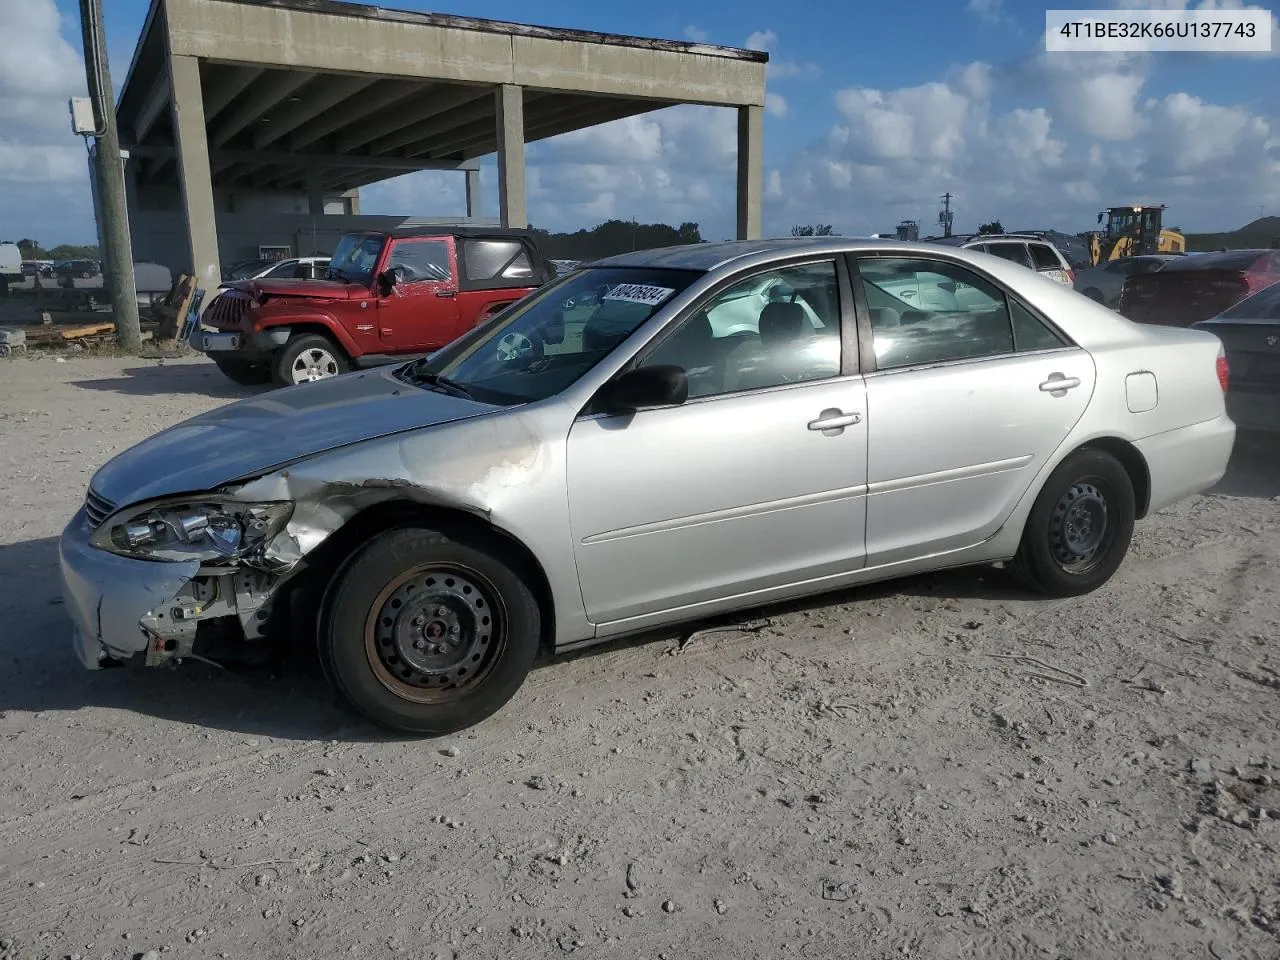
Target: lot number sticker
[639,293]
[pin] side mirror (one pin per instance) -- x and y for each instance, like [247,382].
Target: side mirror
[387,281]
[656,386]
[553,332]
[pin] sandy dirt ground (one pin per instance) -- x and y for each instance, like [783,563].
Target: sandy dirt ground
[864,775]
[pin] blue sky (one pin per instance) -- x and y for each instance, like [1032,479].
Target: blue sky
[871,116]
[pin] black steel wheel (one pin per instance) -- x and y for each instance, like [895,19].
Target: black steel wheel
[435,632]
[428,634]
[1079,528]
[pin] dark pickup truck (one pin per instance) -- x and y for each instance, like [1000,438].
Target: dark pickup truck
[386,295]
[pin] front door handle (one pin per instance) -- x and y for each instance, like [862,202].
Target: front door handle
[1058,384]
[446,294]
[833,420]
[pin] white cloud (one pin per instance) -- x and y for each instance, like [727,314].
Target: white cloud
[775,105]
[1097,94]
[777,69]
[696,34]
[990,10]
[44,178]
[891,152]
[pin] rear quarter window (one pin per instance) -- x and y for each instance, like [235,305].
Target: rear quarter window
[1044,256]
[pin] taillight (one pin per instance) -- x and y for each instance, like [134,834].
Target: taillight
[1071,277]
[1224,369]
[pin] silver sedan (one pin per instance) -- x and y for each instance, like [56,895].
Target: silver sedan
[623,451]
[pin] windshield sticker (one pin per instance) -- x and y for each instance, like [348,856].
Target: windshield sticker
[639,293]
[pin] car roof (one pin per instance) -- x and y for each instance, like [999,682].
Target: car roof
[458,230]
[1228,260]
[710,256]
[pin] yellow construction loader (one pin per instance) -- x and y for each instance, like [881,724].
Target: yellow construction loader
[1132,231]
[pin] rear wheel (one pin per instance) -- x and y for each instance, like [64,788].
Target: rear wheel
[243,372]
[308,357]
[1079,528]
[427,634]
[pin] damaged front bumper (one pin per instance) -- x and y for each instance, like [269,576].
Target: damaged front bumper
[121,607]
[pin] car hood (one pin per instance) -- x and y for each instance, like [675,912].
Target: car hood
[313,289]
[253,436]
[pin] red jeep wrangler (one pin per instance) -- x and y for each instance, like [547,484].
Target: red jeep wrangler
[386,295]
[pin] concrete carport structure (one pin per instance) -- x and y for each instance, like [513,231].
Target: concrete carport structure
[284,108]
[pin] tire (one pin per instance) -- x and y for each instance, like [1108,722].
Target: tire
[1053,558]
[243,372]
[308,357]
[410,586]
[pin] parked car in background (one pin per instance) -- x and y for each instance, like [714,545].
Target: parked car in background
[1194,288]
[1073,248]
[1104,283]
[10,265]
[81,269]
[295,268]
[436,524]
[387,295]
[1250,332]
[1031,252]
[565,266]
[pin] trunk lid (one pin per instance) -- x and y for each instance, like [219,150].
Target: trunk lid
[1253,350]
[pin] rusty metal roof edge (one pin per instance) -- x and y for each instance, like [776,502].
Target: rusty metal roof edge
[344,8]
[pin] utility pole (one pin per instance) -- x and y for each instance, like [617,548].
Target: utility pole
[108,169]
[945,216]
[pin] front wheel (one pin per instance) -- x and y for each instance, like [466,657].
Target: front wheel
[427,634]
[1079,529]
[309,357]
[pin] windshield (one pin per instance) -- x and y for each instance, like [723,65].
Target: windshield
[355,257]
[548,340]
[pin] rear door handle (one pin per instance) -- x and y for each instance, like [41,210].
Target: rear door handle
[1059,384]
[833,420]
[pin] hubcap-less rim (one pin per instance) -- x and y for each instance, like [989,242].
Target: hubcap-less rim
[314,364]
[435,632]
[513,346]
[1080,531]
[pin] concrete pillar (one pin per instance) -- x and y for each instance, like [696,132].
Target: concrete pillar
[509,104]
[315,193]
[750,171]
[192,144]
[473,195]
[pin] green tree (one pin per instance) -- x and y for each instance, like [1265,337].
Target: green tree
[813,230]
[995,226]
[31,249]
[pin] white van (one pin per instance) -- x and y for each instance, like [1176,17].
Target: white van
[10,262]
